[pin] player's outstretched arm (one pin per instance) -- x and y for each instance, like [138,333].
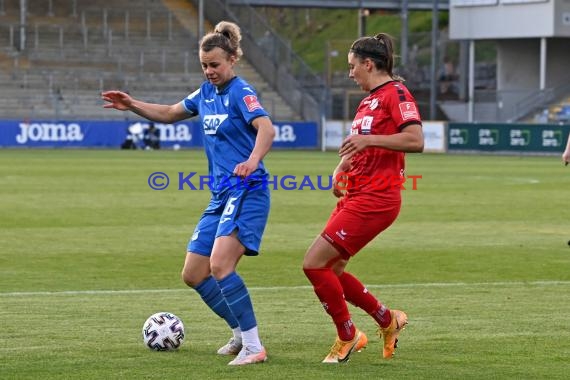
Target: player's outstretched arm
[157,112]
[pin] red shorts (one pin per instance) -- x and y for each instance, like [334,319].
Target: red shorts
[350,228]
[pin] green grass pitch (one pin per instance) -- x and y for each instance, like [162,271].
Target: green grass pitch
[479,259]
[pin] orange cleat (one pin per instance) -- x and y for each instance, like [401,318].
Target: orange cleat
[341,350]
[390,333]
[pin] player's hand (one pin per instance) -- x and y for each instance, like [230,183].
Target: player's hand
[566,157]
[245,168]
[117,99]
[340,183]
[352,144]
[340,178]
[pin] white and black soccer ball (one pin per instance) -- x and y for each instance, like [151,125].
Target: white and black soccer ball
[163,332]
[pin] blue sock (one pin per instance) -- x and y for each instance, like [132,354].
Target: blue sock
[237,297]
[212,296]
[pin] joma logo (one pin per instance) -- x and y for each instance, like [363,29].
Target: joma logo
[49,132]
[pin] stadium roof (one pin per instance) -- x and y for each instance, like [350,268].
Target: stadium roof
[368,4]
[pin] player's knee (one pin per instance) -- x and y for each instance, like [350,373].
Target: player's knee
[186,278]
[191,279]
[220,271]
[312,262]
[306,264]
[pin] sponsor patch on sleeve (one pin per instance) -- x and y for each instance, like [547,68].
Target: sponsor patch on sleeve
[409,111]
[251,103]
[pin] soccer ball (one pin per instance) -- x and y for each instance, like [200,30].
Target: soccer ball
[163,332]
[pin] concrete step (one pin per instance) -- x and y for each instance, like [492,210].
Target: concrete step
[157,61]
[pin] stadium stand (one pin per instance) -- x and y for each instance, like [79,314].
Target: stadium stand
[556,113]
[74,49]
[563,114]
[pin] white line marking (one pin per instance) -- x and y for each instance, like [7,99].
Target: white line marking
[281,288]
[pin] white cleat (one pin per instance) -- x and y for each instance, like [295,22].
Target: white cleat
[233,347]
[246,356]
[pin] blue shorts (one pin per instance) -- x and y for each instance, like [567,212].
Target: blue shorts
[246,210]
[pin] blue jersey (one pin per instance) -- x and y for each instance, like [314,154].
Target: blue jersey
[228,135]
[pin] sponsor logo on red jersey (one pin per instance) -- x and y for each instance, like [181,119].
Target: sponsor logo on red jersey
[409,111]
[374,104]
[366,127]
[252,103]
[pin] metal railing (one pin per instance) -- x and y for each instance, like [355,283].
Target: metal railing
[274,59]
[537,101]
[371,4]
[100,48]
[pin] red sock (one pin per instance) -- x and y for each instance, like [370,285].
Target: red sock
[382,316]
[329,291]
[357,294]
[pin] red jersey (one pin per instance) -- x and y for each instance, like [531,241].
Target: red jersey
[374,171]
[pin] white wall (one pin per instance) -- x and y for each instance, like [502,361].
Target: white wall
[506,20]
[519,64]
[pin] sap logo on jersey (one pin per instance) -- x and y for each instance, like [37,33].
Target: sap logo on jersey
[49,132]
[212,122]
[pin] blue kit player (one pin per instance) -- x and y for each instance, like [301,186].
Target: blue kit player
[238,133]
